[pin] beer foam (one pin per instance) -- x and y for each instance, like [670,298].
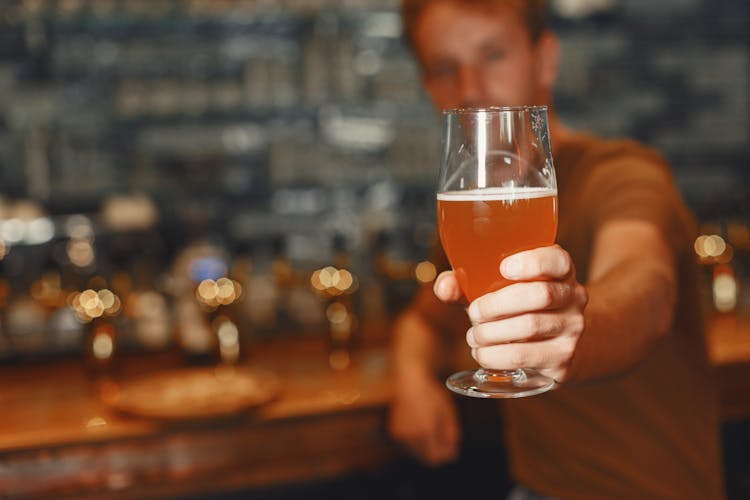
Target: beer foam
[497,194]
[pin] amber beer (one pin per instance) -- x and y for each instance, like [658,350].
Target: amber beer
[479,228]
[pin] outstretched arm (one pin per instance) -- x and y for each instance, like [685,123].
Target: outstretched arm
[549,321]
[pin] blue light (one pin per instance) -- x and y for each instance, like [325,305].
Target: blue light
[208,268]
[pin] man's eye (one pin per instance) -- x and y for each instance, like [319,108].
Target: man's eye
[441,71]
[494,54]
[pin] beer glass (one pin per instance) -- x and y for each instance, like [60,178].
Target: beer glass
[497,196]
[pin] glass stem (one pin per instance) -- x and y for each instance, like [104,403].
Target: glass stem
[483,376]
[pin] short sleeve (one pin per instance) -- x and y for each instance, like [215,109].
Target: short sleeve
[631,182]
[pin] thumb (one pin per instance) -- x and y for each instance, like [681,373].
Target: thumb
[446,287]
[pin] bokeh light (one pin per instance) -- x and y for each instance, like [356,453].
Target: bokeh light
[80,252]
[712,248]
[102,346]
[91,304]
[724,289]
[214,293]
[425,272]
[339,359]
[333,282]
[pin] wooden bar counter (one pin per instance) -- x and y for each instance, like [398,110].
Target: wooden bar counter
[58,439]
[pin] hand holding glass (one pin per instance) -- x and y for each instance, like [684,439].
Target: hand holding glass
[497,196]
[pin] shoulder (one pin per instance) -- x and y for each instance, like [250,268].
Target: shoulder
[623,180]
[592,151]
[591,163]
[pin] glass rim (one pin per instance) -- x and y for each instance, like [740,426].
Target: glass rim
[494,109]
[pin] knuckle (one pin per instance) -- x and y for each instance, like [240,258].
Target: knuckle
[534,323]
[567,349]
[545,294]
[577,324]
[482,307]
[583,295]
[554,326]
[480,336]
[562,360]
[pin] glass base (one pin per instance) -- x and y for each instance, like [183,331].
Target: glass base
[499,384]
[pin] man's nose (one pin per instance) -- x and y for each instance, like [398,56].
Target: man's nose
[470,86]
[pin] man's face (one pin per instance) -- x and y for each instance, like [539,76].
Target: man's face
[479,56]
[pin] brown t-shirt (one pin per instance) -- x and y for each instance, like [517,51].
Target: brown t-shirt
[651,432]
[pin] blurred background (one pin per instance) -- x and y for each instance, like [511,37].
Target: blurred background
[265,168]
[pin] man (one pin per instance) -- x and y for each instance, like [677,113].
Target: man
[611,313]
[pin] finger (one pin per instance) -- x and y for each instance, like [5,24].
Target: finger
[545,262]
[520,298]
[450,434]
[446,287]
[442,446]
[524,327]
[420,449]
[551,357]
[425,444]
[427,448]
[412,439]
[414,443]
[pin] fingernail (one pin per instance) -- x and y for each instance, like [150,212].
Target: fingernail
[440,288]
[511,268]
[473,312]
[470,338]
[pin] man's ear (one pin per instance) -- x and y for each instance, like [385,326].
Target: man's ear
[548,59]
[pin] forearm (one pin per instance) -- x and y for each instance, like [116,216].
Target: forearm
[416,346]
[630,307]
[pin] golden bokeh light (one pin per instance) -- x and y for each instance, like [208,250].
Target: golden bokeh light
[107,298]
[227,332]
[229,340]
[102,346]
[333,282]
[95,422]
[91,304]
[315,281]
[221,292]
[227,291]
[339,359]
[336,313]
[425,272]
[208,290]
[699,246]
[341,322]
[713,249]
[329,276]
[80,252]
[725,292]
[345,280]
[714,245]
